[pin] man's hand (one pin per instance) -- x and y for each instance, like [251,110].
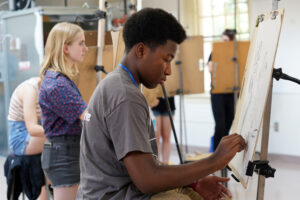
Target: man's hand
[227,148]
[211,188]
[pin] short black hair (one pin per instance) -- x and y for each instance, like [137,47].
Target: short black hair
[230,33]
[153,27]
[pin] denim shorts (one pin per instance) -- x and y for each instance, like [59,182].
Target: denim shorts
[60,160]
[164,113]
[18,137]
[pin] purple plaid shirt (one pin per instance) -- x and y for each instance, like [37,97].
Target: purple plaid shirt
[61,105]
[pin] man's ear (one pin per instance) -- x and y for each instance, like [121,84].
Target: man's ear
[66,49]
[140,50]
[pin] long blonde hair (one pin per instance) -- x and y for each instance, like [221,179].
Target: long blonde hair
[55,58]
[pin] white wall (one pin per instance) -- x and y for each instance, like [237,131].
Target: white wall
[199,120]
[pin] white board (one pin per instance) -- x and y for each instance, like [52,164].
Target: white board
[254,92]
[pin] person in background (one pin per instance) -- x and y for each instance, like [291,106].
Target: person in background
[62,108]
[26,135]
[223,103]
[118,154]
[163,128]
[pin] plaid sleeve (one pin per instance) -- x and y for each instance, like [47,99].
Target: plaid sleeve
[67,103]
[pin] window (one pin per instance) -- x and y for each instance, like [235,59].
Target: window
[214,16]
[221,15]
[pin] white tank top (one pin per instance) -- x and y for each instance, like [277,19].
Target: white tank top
[15,112]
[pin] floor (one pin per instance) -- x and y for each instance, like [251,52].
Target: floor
[284,186]
[3,186]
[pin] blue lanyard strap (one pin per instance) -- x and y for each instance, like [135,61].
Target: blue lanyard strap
[128,73]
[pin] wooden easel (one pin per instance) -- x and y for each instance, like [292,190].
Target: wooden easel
[101,38]
[265,131]
[254,108]
[229,60]
[264,143]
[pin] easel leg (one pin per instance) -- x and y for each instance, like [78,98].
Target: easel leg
[224,174]
[265,143]
[101,39]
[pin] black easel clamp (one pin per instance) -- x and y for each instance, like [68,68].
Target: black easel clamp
[100,68]
[278,74]
[179,91]
[234,59]
[261,167]
[100,14]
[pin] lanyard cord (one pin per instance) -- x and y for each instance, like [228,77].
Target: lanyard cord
[121,65]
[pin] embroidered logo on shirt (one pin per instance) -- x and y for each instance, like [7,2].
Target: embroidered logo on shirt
[87,116]
[151,139]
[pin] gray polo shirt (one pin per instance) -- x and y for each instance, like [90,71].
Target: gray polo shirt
[118,122]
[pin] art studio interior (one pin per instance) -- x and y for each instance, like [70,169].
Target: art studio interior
[149,99]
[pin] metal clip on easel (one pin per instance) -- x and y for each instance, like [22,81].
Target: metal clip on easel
[277,74]
[100,68]
[261,167]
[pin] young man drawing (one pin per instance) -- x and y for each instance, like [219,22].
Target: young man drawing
[118,147]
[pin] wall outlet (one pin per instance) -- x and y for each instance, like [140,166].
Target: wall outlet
[276,126]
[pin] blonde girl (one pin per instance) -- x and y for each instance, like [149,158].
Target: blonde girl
[62,108]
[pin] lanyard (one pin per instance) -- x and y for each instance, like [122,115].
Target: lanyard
[129,74]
